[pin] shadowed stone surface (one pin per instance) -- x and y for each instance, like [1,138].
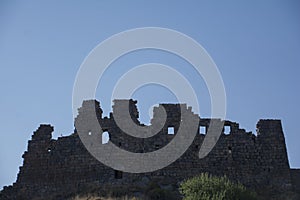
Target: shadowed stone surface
[55,168]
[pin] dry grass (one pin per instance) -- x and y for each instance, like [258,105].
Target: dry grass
[104,198]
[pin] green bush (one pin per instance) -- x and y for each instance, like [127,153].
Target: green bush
[206,187]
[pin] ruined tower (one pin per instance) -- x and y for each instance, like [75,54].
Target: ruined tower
[52,168]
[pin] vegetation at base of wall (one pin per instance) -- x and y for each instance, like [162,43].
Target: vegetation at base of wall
[155,192]
[202,187]
[104,198]
[151,191]
[207,187]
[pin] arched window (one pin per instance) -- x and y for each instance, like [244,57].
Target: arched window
[105,137]
[227,130]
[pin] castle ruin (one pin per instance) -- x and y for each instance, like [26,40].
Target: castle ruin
[52,168]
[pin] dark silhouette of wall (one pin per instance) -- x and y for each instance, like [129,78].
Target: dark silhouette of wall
[56,167]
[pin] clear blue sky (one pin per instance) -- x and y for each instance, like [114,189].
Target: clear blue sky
[255,44]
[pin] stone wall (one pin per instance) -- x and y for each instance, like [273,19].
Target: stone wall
[57,167]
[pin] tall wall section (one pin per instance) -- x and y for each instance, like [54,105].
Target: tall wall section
[56,167]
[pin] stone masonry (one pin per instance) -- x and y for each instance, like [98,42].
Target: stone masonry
[53,168]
